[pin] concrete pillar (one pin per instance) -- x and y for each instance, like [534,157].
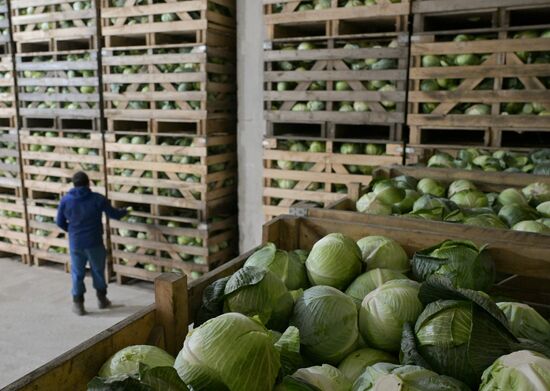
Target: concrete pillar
[251,127]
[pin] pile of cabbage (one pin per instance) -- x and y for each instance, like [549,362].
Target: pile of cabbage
[350,316]
[310,5]
[12,225]
[5,75]
[5,158]
[536,162]
[44,221]
[46,148]
[182,159]
[79,72]
[320,147]
[191,243]
[174,67]
[5,31]
[165,17]
[526,209]
[473,59]
[341,85]
[76,6]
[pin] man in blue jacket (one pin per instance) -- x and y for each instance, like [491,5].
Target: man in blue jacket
[79,214]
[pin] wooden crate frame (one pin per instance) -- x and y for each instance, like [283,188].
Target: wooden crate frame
[159,250]
[33,91]
[502,63]
[334,21]
[10,173]
[5,26]
[328,169]
[157,160]
[152,76]
[210,27]
[463,10]
[328,64]
[7,91]
[13,230]
[46,236]
[78,366]
[27,32]
[61,161]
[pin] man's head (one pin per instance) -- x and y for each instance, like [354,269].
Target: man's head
[80,179]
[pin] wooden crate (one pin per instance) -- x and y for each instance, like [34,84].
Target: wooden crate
[13,225]
[7,92]
[172,169]
[10,170]
[51,158]
[320,177]
[5,29]
[53,25]
[433,15]
[58,85]
[530,272]
[144,22]
[318,74]
[176,83]
[145,245]
[502,59]
[48,243]
[284,19]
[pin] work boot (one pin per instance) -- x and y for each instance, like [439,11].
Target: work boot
[78,305]
[102,300]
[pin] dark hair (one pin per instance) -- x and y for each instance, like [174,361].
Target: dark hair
[80,179]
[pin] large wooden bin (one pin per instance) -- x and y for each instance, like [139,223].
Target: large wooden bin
[165,323]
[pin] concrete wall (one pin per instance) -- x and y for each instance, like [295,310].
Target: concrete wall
[250,38]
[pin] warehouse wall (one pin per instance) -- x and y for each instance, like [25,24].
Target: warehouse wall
[250,37]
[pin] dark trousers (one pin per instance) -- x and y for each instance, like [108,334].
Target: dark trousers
[79,258]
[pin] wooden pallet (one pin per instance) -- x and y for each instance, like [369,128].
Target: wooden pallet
[145,248]
[131,23]
[172,170]
[284,19]
[501,63]
[51,158]
[192,83]
[53,25]
[316,75]
[10,171]
[58,85]
[320,177]
[441,15]
[13,225]
[47,241]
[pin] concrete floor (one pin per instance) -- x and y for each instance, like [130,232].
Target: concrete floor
[36,322]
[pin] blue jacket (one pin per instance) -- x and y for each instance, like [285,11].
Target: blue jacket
[80,213]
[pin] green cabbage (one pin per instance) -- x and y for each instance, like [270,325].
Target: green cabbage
[334,260]
[327,320]
[381,252]
[127,360]
[369,281]
[525,322]
[324,377]
[355,364]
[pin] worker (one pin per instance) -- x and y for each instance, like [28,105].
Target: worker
[79,213]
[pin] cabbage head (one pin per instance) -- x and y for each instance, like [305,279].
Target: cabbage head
[460,333]
[460,185]
[370,203]
[369,281]
[391,377]
[511,196]
[466,265]
[381,252]
[355,364]
[384,311]
[470,199]
[514,213]
[230,352]
[253,291]
[537,193]
[325,377]
[531,226]
[523,370]
[127,360]
[334,260]
[431,186]
[525,322]
[287,266]
[327,320]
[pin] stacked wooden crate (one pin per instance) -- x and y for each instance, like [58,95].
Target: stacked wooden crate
[13,225]
[334,92]
[57,66]
[169,91]
[479,74]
